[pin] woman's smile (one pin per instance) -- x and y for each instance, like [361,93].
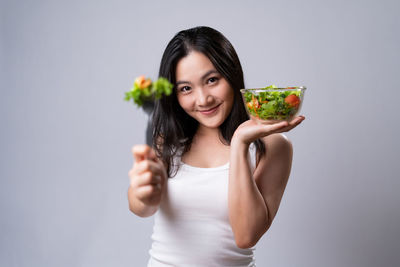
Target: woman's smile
[210,111]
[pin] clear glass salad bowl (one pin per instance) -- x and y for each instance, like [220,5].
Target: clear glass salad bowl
[272,104]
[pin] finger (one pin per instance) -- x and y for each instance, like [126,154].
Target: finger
[293,124]
[271,128]
[148,178]
[148,165]
[147,191]
[141,152]
[152,154]
[297,120]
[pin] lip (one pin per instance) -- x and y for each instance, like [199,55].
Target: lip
[210,111]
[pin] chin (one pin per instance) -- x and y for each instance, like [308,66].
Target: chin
[211,125]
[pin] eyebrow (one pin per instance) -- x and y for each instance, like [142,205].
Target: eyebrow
[202,77]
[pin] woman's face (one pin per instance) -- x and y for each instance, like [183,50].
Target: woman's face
[203,93]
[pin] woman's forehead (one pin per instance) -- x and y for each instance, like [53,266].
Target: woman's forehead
[194,66]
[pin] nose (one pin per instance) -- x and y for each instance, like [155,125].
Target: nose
[204,98]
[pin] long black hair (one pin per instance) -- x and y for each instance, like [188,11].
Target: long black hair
[173,129]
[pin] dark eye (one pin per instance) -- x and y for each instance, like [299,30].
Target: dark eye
[212,80]
[184,89]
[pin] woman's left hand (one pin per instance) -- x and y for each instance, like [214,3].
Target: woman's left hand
[249,131]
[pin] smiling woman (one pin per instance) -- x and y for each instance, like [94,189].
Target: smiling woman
[202,92]
[214,179]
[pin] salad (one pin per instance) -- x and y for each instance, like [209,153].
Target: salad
[145,90]
[273,103]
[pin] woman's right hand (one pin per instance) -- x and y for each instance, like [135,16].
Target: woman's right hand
[147,176]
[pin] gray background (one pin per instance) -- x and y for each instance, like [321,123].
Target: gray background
[66,133]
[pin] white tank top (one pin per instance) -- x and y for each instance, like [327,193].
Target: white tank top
[191,227]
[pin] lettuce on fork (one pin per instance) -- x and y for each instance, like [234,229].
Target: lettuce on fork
[145,90]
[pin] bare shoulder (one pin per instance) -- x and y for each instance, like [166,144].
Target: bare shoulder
[278,146]
[278,141]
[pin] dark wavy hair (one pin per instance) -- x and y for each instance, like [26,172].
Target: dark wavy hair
[173,129]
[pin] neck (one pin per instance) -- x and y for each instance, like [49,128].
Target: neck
[212,135]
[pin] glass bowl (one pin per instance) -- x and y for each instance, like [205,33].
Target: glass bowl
[272,105]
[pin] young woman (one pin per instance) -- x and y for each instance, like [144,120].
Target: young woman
[214,179]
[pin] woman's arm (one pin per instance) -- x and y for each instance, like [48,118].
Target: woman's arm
[254,198]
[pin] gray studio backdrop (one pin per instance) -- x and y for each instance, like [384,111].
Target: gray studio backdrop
[66,132]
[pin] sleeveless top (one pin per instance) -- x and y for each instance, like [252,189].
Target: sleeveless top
[191,226]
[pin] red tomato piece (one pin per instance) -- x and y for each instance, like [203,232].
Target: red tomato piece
[293,101]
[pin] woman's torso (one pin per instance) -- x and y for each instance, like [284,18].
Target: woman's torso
[192,227]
